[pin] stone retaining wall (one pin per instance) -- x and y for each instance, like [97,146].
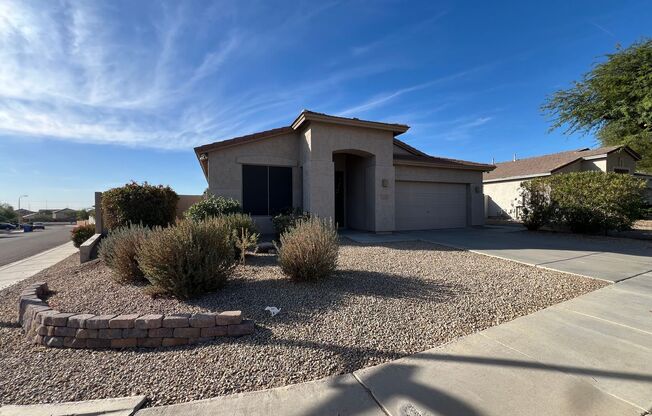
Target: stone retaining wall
[52,328]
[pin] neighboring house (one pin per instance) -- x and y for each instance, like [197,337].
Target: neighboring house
[648,191]
[22,212]
[351,170]
[502,185]
[65,214]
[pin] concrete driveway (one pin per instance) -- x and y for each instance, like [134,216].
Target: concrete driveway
[612,259]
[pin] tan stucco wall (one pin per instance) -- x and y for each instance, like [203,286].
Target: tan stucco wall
[621,160]
[225,169]
[502,198]
[318,170]
[185,201]
[428,174]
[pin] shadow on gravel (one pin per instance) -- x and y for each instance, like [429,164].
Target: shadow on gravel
[301,301]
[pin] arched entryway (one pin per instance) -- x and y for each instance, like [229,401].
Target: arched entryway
[353,184]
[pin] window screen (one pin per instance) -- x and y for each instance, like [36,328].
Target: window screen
[266,190]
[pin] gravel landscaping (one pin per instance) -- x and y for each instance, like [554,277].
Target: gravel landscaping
[384,302]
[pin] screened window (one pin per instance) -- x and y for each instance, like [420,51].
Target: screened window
[266,190]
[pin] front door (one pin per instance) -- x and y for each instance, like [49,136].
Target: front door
[340,219]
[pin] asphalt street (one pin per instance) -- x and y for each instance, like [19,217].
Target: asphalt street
[18,245]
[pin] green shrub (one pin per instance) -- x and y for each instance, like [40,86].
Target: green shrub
[309,250]
[212,206]
[537,208]
[588,202]
[236,223]
[188,259]
[118,251]
[81,233]
[597,201]
[135,203]
[243,241]
[286,220]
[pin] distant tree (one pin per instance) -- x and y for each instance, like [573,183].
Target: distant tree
[7,213]
[613,100]
[82,214]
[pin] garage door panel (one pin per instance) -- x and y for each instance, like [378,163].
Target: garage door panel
[430,205]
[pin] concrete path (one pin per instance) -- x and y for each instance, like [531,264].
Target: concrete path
[122,406]
[22,269]
[611,259]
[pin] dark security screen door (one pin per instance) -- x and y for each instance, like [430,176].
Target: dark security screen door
[266,190]
[339,199]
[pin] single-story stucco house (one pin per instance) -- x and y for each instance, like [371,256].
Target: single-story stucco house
[351,170]
[503,197]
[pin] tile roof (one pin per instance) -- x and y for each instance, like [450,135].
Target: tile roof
[542,165]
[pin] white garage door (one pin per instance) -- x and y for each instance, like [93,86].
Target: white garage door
[430,205]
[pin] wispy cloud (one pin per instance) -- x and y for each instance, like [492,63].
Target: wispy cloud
[75,71]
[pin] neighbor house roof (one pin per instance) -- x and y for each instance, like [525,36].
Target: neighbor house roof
[548,164]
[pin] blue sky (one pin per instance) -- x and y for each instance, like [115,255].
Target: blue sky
[94,94]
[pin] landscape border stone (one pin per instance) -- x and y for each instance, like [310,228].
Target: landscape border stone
[52,328]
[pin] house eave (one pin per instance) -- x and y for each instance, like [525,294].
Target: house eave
[308,116]
[516,178]
[441,166]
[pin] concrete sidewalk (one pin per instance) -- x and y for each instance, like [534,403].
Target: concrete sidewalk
[22,269]
[591,355]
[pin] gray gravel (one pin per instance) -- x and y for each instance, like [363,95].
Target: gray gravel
[384,302]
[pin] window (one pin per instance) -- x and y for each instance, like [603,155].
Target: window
[621,170]
[266,190]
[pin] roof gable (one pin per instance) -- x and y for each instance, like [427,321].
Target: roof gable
[547,164]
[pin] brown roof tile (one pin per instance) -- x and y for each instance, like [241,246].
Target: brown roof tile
[542,165]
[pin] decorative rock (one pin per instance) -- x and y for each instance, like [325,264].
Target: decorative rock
[216,331]
[178,320]
[134,333]
[124,343]
[64,331]
[150,342]
[79,321]
[148,322]
[98,343]
[99,322]
[72,342]
[170,342]
[202,320]
[187,332]
[161,333]
[245,328]
[112,333]
[87,333]
[53,341]
[229,318]
[123,321]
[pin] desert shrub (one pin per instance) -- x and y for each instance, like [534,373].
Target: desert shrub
[135,203]
[236,223]
[286,220]
[308,251]
[212,206]
[244,240]
[537,207]
[597,201]
[588,202]
[81,233]
[188,259]
[118,251]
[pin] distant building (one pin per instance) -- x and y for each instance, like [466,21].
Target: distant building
[66,214]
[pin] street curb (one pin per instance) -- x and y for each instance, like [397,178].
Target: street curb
[7,266]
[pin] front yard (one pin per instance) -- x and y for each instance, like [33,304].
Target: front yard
[384,302]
